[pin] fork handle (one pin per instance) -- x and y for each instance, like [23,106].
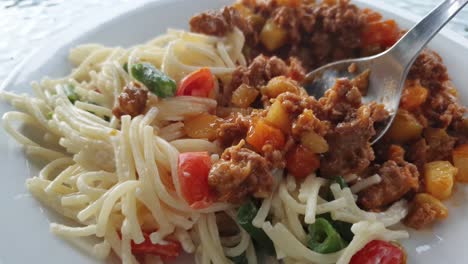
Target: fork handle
[410,45]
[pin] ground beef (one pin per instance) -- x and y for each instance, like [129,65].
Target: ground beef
[341,101]
[349,148]
[294,104]
[424,210]
[442,108]
[131,101]
[420,215]
[352,129]
[398,178]
[274,156]
[296,70]
[210,23]
[259,72]
[239,174]
[439,144]
[306,122]
[397,154]
[429,69]
[233,129]
[417,153]
[319,33]
[219,23]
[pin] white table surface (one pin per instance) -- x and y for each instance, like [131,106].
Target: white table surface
[26,24]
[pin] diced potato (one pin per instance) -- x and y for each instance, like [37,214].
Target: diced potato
[314,142]
[439,177]
[278,117]
[279,85]
[244,96]
[273,36]
[460,160]
[425,198]
[202,126]
[414,95]
[262,134]
[405,127]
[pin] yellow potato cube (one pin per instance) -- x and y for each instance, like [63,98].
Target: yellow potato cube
[439,176]
[202,126]
[278,117]
[273,36]
[279,85]
[405,127]
[244,96]
[314,142]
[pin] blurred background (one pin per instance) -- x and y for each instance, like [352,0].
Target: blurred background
[26,24]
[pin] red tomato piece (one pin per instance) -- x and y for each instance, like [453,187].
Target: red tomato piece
[199,83]
[379,252]
[193,171]
[300,161]
[170,248]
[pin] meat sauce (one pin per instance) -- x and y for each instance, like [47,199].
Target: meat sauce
[286,39]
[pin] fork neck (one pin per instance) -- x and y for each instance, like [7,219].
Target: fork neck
[410,45]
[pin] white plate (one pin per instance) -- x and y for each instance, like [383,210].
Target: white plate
[24,233]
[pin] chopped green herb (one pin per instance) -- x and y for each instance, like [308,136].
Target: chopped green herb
[125,67]
[50,115]
[156,81]
[70,93]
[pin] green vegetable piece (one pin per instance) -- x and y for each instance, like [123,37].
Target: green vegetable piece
[323,238]
[241,259]
[50,115]
[69,91]
[343,228]
[340,180]
[107,118]
[245,215]
[156,81]
[125,67]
